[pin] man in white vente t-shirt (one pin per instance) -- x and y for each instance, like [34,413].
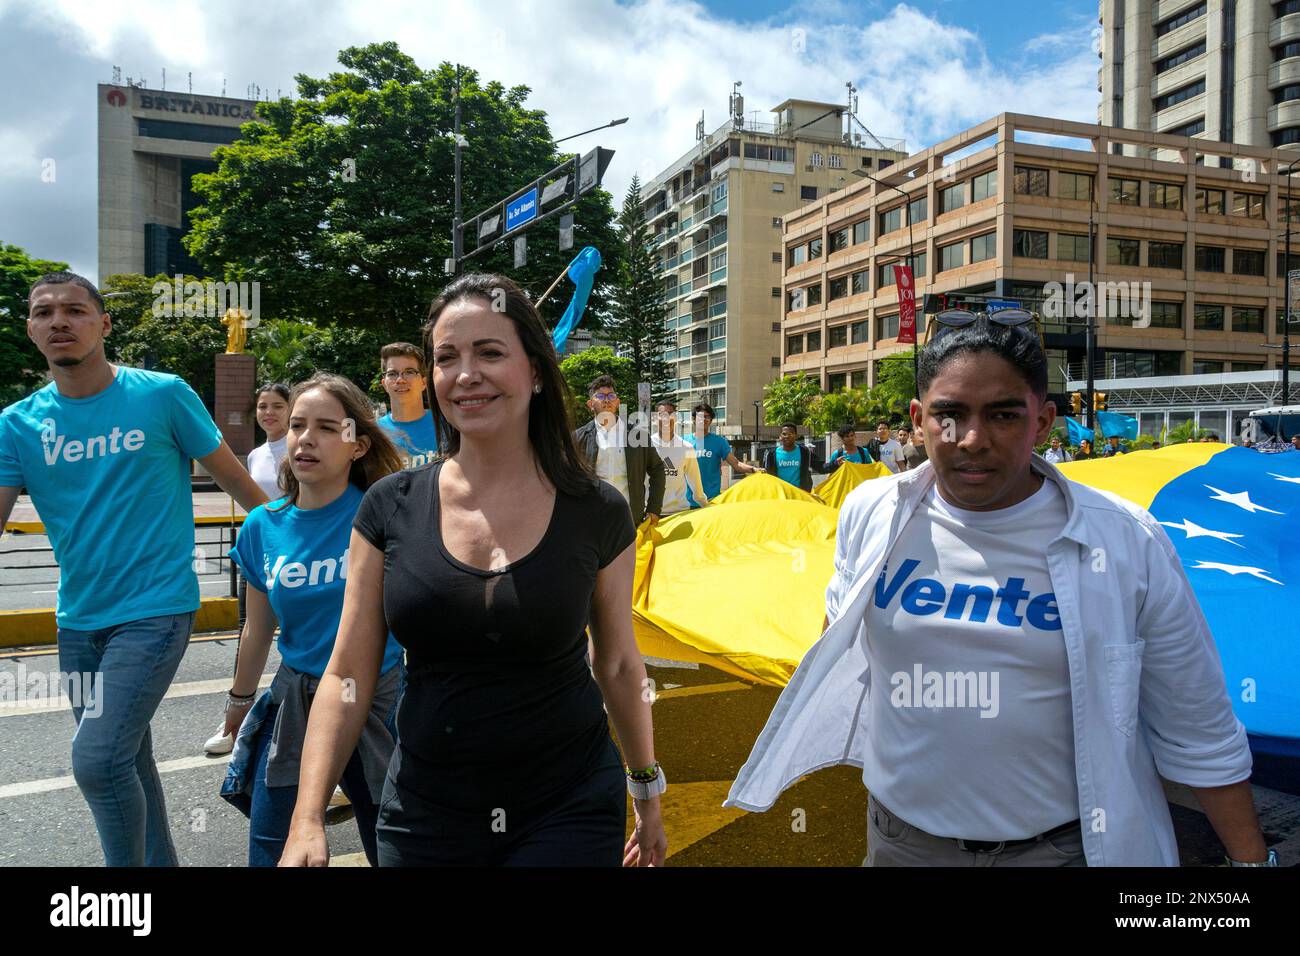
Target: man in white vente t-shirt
[1012,701]
[885,449]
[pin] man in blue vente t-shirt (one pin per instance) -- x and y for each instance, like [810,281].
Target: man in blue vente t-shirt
[711,451]
[409,424]
[104,451]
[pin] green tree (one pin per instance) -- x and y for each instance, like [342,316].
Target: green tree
[896,380]
[636,326]
[22,366]
[150,331]
[340,203]
[789,399]
[1185,432]
[284,351]
[578,371]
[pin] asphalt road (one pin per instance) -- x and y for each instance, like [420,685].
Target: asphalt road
[705,724]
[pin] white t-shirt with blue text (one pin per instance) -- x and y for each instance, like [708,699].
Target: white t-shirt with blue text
[110,477]
[417,439]
[971,728]
[298,557]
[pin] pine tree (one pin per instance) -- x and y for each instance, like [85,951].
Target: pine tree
[636,326]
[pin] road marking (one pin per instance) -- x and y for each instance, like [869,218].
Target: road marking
[64,783]
[691,812]
[44,705]
[703,689]
[350,859]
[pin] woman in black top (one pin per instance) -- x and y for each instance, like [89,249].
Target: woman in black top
[487,565]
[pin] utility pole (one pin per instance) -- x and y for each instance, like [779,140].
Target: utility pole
[457,228]
[1091,335]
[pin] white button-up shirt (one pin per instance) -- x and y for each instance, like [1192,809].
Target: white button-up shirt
[611,457]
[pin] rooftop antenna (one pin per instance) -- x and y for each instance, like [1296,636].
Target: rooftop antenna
[699,127]
[164,79]
[117,76]
[223,86]
[190,78]
[737,105]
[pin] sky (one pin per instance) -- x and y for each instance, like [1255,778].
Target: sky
[924,70]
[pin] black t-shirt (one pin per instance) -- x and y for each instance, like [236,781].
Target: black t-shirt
[500,708]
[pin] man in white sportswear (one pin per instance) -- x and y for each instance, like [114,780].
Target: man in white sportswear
[681,467]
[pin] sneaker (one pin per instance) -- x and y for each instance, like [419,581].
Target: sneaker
[219,743]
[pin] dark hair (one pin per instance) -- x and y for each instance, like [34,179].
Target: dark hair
[1018,345]
[666,401]
[550,426]
[702,407]
[905,427]
[67,278]
[790,425]
[883,422]
[599,382]
[846,430]
[402,349]
[380,459]
[278,387]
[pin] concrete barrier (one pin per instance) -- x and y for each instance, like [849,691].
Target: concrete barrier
[37,627]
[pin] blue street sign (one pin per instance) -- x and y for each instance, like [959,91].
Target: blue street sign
[997,305]
[521,210]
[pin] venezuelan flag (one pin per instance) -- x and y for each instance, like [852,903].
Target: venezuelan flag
[740,585]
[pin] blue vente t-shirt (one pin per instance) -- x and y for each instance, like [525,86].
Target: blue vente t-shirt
[417,439]
[787,465]
[710,454]
[299,558]
[110,477]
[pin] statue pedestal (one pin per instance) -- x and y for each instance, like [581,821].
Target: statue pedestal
[236,379]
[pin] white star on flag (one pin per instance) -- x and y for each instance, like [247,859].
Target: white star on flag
[1194,530]
[1295,481]
[1241,499]
[1233,569]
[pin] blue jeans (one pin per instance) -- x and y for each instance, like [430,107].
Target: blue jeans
[112,750]
[272,809]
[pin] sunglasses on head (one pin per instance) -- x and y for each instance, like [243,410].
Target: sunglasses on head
[962,318]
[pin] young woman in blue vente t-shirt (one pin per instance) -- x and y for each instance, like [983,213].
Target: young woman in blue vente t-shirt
[294,554]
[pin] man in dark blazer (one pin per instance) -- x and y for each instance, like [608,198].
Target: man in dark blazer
[605,436]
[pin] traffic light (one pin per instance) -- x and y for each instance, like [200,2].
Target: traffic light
[1098,401]
[1076,403]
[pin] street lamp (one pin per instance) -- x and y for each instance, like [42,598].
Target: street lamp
[617,122]
[911,251]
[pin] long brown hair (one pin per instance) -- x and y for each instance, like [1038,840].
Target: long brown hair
[550,426]
[380,459]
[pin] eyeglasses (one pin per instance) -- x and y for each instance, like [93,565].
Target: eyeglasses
[605,396]
[393,375]
[962,318]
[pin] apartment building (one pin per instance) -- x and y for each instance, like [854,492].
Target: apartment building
[1228,70]
[1004,210]
[716,216]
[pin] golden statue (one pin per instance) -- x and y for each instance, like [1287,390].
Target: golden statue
[235,336]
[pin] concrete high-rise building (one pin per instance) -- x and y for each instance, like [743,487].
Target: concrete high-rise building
[151,144]
[716,218]
[1227,70]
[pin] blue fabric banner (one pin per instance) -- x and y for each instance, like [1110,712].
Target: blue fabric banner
[1113,423]
[582,270]
[1078,432]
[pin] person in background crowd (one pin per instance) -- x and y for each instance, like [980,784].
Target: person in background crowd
[711,450]
[1295,442]
[851,450]
[1113,447]
[1085,450]
[295,554]
[408,423]
[681,469]
[513,547]
[272,411]
[104,452]
[885,449]
[1055,453]
[1155,445]
[914,453]
[626,461]
[790,461]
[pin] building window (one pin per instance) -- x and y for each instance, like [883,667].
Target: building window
[1165,255]
[1187,129]
[1174,97]
[814,249]
[1248,262]
[776,222]
[776,361]
[793,344]
[776,256]
[778,187]
[1247,320]
[1206,367]
[859,283]
[1165,196]
[1182,56]
[189,132]
[815,159]
[815,294]
[837,336]
[1125,192]
[1210,201]
[807,193]
[1122,252]
[814,341]
[1287,50]
[1029,244]
[952,257]
[984,185]
[983,248]
[886,275]
[1166,315]
[887,327]
[776,326]
[1208,318]
[918,265]
[836,161]
[836,381]
[1074,186]
[858,332]
[1030,181]
[885,163]
[798,299]
[954,197]
[916,211]
[1179,19]
[839,239]
[1071,247]
[1248,204]
[891,220]
[798,255]
[1209,259]
[837,288]
[861,231]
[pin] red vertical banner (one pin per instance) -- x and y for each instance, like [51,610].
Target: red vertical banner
[906,304]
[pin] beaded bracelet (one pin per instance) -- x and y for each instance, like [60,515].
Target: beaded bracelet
[644,775]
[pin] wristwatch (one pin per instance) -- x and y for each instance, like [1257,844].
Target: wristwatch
[1271,861]
[644,784]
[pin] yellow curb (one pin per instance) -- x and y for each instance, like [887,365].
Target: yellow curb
[37,527]
[35,627]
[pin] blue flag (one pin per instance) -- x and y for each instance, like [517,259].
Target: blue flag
[1078,432]
[1113,423]
[582,270]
